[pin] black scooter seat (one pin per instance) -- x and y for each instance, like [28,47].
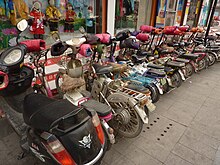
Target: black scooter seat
[189,56]
[164,51]
[145,54]
[151,65]
[43,113]
[182,60]
[100,69]
[175,64]
[101,109]
[138,59]
[156,72]
[210,37]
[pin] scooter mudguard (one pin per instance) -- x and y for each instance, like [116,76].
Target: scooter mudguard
[182,75]
[158,87]
[119,97]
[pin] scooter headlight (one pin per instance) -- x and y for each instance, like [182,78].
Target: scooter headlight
[13,57]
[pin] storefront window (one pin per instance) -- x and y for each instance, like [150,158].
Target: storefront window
[167,11]
[126,14]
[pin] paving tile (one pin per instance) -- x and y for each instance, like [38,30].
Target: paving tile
[203,138]
[159,137]
[121,160]
[198,146]
[217,157]
[111,155]
[176,160]
[139,157]
[182,112]
[190,155]
[207,121]
[208,129]
[6,130]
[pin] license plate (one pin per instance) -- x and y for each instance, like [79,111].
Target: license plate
[163,81]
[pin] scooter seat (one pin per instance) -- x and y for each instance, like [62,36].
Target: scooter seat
[145,54]
[189,56]
[156,72]
[175,64]
[138,59]
[101,109]
[164,51]
[151,65]
[182,60]
[43,113]
[210,37]
[173,44]
[100,69]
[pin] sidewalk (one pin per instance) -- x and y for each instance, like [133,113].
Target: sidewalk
[183,130]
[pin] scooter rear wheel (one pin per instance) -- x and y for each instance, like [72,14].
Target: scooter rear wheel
[155,95]
[127,123]
[189,70]
[212,58]
[176,80]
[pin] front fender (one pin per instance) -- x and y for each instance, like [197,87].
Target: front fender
[118,97]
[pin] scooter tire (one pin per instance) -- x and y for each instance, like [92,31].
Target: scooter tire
[155,95]
[212,58]
[189,70]
[176,80]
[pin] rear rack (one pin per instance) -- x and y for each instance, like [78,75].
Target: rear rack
[129,92]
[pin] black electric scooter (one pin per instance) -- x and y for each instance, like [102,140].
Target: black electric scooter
[55,131]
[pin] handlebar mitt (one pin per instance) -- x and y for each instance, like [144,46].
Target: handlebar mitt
[58,48]
[143,37]
[85,50]
[169,30]
[184,28]
[3,80]
[146,28]
[34,45]
[122,35]
[104,38]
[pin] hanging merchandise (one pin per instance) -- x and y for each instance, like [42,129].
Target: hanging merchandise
[70,16]
[53,15]
[37,20]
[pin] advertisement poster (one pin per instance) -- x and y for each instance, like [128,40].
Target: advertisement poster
[204,13]
[179,12]
[161,13]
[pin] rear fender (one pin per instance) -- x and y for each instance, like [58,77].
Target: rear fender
[182,75]
[118,97]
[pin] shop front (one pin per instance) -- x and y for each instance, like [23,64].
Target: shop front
[69,16]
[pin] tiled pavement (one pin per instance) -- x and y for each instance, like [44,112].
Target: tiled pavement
[183,130]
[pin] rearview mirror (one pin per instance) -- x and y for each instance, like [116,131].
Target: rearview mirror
[82,30]
[22,25]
